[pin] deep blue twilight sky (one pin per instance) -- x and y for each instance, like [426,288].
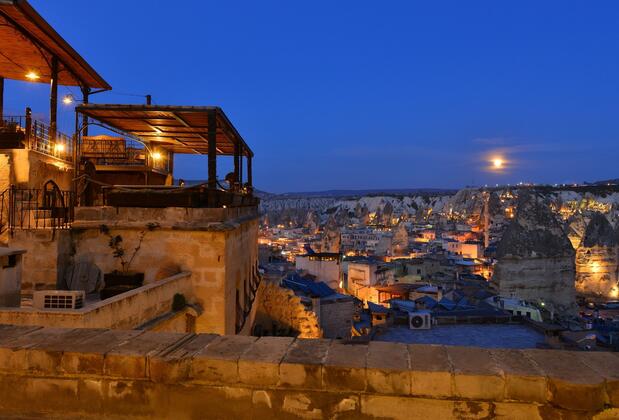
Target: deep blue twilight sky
[356,94]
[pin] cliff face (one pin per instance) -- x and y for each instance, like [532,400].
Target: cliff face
[596,260]
[535,257]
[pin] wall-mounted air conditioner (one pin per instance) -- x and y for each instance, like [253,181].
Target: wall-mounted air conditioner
[420,320]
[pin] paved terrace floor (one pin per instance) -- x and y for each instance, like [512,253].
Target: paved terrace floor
[93,373]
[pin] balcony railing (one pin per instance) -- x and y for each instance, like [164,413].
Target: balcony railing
[29,208]
[22,132]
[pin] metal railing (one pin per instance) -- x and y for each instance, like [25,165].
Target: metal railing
[29,208]
[39,136]
[42,140]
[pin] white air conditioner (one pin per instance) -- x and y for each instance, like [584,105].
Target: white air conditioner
[58,299]
[420,320]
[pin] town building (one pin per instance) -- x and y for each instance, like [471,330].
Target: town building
[325,266]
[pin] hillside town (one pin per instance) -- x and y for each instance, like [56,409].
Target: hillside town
[545,257]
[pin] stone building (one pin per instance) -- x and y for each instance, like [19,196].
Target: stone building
[106,204]
[597,260]
[536,258]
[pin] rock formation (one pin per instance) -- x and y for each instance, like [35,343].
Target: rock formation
[536,258]
[596,260]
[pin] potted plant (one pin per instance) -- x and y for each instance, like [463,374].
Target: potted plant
[123,280]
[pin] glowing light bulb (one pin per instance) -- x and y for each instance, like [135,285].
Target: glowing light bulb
[31,75]
[497,163]
[59,147]
[156,155]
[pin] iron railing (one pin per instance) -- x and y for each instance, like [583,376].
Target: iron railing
[39,136]
[29,208]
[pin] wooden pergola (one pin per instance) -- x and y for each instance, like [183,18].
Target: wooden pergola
[31,50]
[178,129]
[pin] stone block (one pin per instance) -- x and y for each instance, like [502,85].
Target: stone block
[86,357]
[392,407]
[524,380]
[431,371]
[174,366]
[345,367]
[218,361]
[388,368]
[302,364]
[605,364]
[259,365]
[129,358]
[476,374]
[572,384]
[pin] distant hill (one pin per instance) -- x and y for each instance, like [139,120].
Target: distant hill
[368,192]
[342,193]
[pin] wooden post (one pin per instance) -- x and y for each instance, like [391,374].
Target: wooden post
[241,152]
[29,127]
[1,99]
[212,148]
[237,154]
[249,174]
[85,95]
[53,101]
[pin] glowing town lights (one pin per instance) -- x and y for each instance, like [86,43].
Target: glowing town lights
[156,155]
[31,75]
[59,147]
[67,99]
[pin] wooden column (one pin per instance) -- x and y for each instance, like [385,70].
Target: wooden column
[85,95]
[212,148]
[249,173]
[53,101]
[237,155]
[241,152]
[1,99]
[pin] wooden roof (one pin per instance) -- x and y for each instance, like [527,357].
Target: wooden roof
[29,43]
[179,129]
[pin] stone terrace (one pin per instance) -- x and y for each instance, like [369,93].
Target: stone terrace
[77,373]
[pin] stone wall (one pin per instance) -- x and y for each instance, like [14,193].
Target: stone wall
[30,169]
[47,257]
[218,246]
[281,312]
[336,316]
[132,374]
[125,311]
[550,280]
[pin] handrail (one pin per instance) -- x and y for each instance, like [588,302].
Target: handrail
[38,136]
[31,208]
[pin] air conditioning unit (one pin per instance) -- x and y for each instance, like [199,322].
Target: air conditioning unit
[58,299]
[420,320]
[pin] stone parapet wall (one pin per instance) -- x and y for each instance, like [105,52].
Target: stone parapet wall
[168,217]
[125,311]
[132,374]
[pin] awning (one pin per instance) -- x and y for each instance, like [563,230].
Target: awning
[28,44]
[179,129]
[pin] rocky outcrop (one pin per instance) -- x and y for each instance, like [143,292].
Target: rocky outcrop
[280,312]
[596,260]
[536,258]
